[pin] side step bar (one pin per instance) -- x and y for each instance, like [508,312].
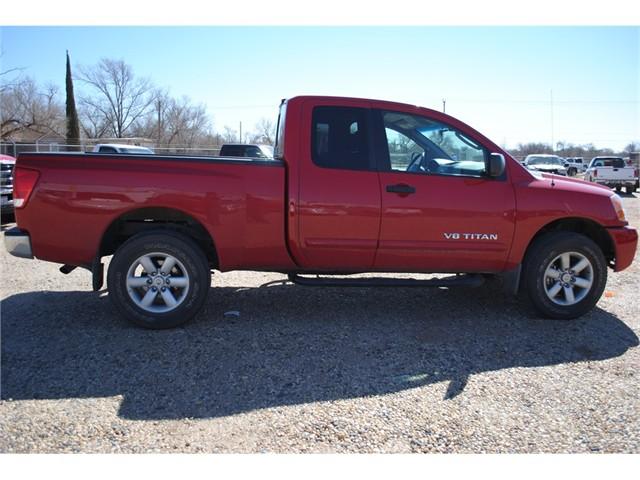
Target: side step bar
[451,281]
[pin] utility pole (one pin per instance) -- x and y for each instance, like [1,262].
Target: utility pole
[240,132]
[444,105]
[553,149]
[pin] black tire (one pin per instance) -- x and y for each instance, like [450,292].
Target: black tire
[630,190]
[540,256]
[572,172]
[190,258]
[618,189]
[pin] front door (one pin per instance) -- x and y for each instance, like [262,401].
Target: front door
[440,211]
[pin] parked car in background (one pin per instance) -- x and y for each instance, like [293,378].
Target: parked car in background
[122,148]
[634,161]
[246,150]
[612,172]
[7,164]
[545,163]
[574,165]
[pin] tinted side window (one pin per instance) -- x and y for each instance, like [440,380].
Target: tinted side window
[107,150]
[232,151]
[339,138]
[254,152]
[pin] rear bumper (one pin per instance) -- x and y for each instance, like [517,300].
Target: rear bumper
[616,183]
[18,243]
[625,241]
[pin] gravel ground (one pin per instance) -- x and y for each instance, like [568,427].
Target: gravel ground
[316,370]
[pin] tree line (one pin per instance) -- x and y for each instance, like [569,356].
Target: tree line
[112,102]
[566,150]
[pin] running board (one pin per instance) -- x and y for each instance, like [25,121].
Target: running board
[451,281]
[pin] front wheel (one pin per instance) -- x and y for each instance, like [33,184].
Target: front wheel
[159,279]
[565,274]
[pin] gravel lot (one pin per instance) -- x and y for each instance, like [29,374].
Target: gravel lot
[316,370]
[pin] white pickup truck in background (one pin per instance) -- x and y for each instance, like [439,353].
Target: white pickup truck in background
[612,172]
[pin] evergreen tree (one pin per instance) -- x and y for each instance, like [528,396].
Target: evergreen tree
[73,125]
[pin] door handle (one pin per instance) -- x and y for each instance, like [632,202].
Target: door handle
[401,188]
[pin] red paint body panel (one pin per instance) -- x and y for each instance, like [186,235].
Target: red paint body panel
[625,240]
[540,203]
[413,227]
[295,216]
[77,198]
[337,219]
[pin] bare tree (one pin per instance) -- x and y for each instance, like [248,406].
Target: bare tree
[176,122]
[632,147]
[94,124]
[186,123]
[24,106]
[230,135]
[117,95]
[265,132]
[5,82]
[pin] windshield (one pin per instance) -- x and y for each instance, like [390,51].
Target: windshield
[139,151]
[539,160]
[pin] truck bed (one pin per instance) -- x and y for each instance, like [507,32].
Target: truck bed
[240,202]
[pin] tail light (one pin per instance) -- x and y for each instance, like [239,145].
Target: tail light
[635,172]
[24,181]
[595,172]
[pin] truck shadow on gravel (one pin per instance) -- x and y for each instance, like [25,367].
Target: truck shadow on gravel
[290,345]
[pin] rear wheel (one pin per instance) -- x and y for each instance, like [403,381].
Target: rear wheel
[159,279]
[618,189]
[565,274]
[630,190]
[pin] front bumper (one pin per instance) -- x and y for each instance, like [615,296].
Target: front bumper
[625,241]
[18,243]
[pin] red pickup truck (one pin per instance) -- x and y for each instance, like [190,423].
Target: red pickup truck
[354,186]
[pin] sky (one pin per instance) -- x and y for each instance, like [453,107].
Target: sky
[514,84]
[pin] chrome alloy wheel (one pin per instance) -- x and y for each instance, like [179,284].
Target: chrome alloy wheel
[568,278]
[157,282]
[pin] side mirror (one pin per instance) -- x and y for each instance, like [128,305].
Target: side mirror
[496,165]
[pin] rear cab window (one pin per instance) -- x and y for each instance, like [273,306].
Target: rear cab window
[232,151]
[609,162]
[340,138]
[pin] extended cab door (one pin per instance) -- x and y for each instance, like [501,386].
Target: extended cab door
[440,211]
[336,211]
